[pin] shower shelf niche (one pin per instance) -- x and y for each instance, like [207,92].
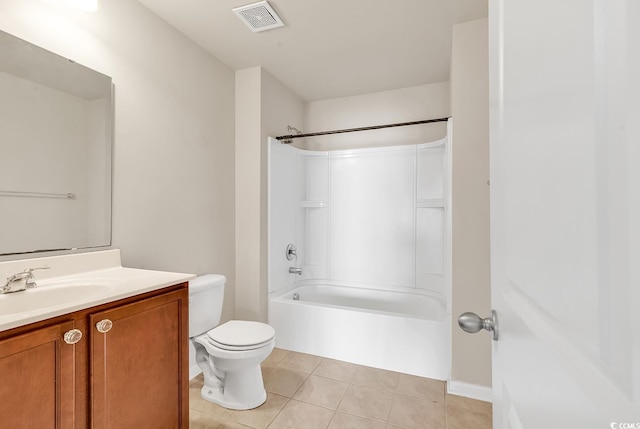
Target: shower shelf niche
[430,203]
[313,204]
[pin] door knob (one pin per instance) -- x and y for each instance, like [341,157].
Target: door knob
[472,323]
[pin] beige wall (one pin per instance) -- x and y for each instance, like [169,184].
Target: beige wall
[471,354]
[264,107]
[173,195]
[400,105]
[247,178]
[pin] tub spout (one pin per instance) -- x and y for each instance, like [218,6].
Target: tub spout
[295,270]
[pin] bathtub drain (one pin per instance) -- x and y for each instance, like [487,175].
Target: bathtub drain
[296,297]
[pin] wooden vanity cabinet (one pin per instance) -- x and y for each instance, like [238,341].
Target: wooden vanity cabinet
[37,383]
[129,370]
[137,377]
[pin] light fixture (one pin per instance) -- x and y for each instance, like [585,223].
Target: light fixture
[259,16]
[85,5]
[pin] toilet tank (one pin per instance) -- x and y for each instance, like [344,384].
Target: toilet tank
[206,294]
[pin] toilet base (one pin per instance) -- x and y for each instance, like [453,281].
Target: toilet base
[241,390]
[216,396]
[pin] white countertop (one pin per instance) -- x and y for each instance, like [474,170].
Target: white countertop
[100,271]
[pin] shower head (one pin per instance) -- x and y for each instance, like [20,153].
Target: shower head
[290,129]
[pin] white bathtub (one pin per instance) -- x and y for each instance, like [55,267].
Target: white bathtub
[399,331]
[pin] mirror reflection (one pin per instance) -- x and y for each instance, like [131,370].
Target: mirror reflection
[56,123]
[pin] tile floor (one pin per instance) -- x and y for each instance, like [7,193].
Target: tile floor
[311,392]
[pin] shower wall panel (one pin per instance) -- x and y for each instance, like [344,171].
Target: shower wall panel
[364,216]
[372,235]
[430,222]
[313,219]
[283,195]
[430,173]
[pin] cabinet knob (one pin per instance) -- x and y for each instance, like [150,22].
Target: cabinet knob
[72,336]
[104,326]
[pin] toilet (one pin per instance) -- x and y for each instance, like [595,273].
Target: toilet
[230,354]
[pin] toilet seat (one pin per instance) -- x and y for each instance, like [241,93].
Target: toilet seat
[240,335]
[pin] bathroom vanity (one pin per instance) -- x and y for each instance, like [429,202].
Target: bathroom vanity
[116,359]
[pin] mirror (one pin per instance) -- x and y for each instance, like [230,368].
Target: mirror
[56,126]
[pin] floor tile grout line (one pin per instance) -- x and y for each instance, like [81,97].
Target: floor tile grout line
[329,378]
[393,400]
[349,381]
[318,405]
[274,364]
[330,420]
[278,413]
[332,417]
[300,387]
[446,408]
[353,384]
[305,402]
[342,397]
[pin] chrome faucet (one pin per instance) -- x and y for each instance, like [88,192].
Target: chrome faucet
[295,270]
[21,281]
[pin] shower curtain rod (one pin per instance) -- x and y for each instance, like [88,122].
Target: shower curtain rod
[287,139]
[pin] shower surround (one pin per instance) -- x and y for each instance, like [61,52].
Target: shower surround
[371,229]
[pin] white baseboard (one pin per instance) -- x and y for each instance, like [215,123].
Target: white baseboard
[468,390]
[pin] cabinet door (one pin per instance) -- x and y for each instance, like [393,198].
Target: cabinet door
[139,366]
[37,379]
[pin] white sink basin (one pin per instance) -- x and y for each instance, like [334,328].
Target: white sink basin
[76,282]
[50,296]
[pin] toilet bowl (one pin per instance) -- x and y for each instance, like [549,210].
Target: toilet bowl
[230,354]
[230,357]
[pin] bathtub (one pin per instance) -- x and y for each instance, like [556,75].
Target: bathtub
[401,331]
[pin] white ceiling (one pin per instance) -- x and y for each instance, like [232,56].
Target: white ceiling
[331,48]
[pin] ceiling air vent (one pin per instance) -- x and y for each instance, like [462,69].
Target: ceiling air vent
[259,16]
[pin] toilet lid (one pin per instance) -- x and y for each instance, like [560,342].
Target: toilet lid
[241,335]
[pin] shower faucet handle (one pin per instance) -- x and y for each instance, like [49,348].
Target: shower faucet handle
[291,252]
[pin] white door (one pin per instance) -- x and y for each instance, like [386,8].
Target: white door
[565,209]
